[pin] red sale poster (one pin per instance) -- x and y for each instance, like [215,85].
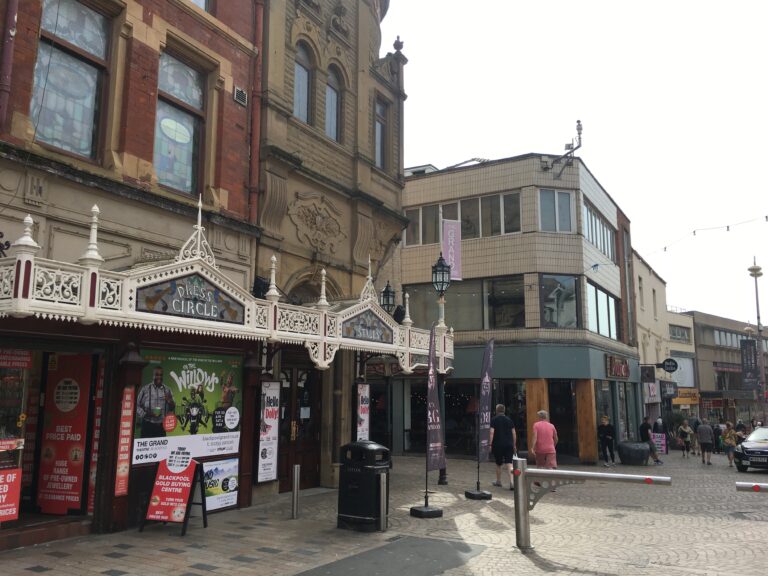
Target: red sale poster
[173,486]
[124,441]
[62,453]
[10,490]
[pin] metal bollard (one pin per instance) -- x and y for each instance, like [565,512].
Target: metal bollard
[750,487]
[522,514]
[383,512]
[296,487]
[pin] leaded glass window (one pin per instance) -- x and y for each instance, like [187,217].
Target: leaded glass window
[71,59]
[301,83]
[333,105]
[178,124]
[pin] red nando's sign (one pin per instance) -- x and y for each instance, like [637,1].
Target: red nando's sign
[617,367]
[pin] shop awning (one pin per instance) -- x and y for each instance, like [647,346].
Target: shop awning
[191,295]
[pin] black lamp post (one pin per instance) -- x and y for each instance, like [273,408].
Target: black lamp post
[441,279]
[387,298]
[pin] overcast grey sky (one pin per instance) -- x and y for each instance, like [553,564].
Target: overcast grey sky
[672,96]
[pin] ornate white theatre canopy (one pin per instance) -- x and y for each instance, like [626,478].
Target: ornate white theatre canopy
[191,295]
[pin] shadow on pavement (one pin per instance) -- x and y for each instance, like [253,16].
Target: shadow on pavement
[403,555]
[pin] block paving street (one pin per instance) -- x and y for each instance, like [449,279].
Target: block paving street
[700,525]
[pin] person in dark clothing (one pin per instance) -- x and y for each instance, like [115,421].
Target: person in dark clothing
[645,436]
[503,442]
[605,435]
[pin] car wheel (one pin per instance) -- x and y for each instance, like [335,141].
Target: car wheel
[741,468]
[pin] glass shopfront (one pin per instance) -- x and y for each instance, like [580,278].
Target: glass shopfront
[620,401]
[49,433]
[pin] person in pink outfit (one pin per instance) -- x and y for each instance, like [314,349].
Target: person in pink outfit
[543,442]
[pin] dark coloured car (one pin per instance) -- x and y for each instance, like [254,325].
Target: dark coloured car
[753,452]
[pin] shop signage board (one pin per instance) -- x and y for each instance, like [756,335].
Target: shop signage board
[10,492]
[124,439]
[190,400]
[367,326]
[268,431]
[669,365]
[62,453]
[660,440]
[616,367]
[171,495]
[686,396]
[363,411]
[221,479]
[190,297]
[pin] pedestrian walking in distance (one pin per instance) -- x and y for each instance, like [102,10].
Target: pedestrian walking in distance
[543,442]
[729,442]
[605,435]
[503,442]
[685,435]
[645,436]
[706,441]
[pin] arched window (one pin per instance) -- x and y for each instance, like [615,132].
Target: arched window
[333,105]
[302,83]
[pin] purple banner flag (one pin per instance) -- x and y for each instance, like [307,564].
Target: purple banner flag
[452,247]
[484,420]
[435,448]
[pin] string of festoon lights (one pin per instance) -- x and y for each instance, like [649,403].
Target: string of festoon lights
[721,228]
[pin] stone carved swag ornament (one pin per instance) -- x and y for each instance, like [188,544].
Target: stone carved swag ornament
[316,222]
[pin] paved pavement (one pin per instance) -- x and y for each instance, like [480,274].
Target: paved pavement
[700,525]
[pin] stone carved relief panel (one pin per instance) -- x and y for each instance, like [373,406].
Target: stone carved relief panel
[317,222]
[275,203]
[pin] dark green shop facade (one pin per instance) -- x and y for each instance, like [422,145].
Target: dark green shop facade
[575,383]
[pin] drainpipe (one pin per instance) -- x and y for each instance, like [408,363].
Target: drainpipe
[6,64]
[254,166]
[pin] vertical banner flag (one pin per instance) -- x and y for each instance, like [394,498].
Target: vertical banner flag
[95,438]
[124,440]
[484,420]
[435,448]
[270,421]
[452,247]
[363,411]
[750,370]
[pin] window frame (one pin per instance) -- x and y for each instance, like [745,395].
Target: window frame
[335,74]
[598,231]
[679,333]
[101,97]
[308,65]
[201,118]
[571,209]
[612,313]
[578,296]
[381,136]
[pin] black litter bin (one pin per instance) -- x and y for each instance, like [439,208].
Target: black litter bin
[360,499]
